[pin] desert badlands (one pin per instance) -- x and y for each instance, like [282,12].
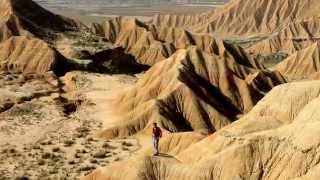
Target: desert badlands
[235,90]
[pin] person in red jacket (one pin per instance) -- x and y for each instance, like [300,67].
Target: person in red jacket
[156,135]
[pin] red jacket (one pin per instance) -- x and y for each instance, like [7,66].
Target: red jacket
[156,132]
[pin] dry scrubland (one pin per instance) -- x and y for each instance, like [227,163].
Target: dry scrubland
[48,133]
[235,90]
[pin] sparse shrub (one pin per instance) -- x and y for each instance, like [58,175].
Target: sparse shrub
[46,155]
[93,161]
[68,143]
[86,168]
[55,149]
[126,144]
[100,154]
[108,146]
[41,162]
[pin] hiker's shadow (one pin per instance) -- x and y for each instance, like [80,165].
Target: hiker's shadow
[165,155]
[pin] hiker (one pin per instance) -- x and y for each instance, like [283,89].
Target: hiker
[156,135]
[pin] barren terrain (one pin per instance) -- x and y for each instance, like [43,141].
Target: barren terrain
[46,134]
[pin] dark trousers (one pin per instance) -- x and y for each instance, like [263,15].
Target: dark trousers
[155,141]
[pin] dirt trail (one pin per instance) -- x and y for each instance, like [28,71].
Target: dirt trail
[104,90]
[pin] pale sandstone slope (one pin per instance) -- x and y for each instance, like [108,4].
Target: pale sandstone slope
[242,17]
[278,139]
[29,55]
[183,21]
[302,64]
[315,76]
[135,37]
[296,36]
